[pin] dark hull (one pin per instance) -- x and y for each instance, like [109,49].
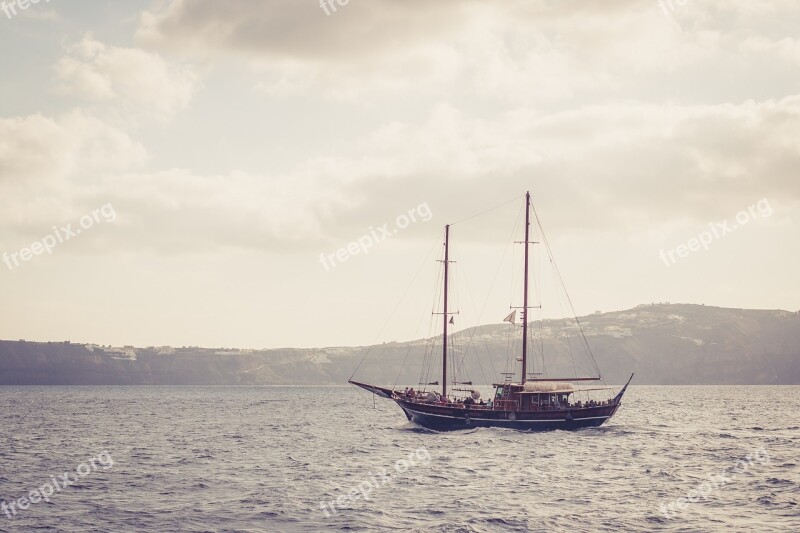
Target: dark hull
[443,418]
[448,417]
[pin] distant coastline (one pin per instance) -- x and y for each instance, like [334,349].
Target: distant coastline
[665,344]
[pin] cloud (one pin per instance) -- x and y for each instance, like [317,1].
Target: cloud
[615,167]
[625,168]
[54,170]
[607,163]
[131,80]
[48,167]
[290,29]
[178,211]
[510,51]
[496,53]
[786,48]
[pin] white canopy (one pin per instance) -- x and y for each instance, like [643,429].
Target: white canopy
[548,386]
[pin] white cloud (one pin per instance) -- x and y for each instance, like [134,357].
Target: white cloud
[53,170]
[681,157]
[622,167]
[176,211]
[503,52]
[271,28]
[631,128]
[133,80]
[50,167]
[786,48]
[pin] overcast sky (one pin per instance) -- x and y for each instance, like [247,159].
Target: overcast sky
[210,152]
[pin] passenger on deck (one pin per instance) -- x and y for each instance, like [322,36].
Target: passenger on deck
[411,393]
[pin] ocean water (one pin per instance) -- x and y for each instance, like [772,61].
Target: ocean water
[334,458]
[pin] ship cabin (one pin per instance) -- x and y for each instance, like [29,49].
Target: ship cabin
[533,396]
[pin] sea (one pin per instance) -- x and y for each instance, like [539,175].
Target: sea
[203,459]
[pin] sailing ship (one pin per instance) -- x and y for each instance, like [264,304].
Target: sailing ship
[533,402]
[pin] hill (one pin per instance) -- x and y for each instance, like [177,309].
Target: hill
[661,343]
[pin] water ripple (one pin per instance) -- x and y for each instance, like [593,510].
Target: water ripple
[270,458]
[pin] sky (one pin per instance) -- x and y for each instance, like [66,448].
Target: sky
[263,174]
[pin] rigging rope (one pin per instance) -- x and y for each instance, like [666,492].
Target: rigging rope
[564,288]
[486,302]
[411,344]
[488,210]
[391,315]
[458,366]
[430,342]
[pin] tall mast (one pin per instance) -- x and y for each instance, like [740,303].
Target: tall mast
[444,333]
[525,296]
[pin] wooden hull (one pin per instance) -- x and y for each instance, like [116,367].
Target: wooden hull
[446,418]
[442,418]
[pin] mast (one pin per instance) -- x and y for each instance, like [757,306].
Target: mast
[525,295]
[444,331]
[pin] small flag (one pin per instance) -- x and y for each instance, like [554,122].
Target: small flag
[452,320]
[512,317]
